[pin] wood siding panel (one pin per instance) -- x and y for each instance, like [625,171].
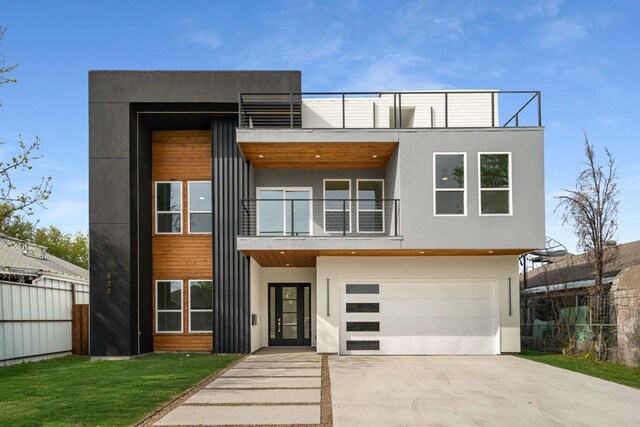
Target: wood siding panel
[177,342]
[181,156]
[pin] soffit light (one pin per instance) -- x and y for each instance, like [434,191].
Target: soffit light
[317,156]
[352,253]
[375,156]
[282,252]
[261,156]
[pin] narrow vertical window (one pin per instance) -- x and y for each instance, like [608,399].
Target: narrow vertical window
[169,306]
[200,306]
[169,207]
[199,207]
[495,183]
[337,206]
[370,206]
[449,183]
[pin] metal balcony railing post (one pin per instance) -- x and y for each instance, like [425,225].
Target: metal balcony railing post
[493,110]
[400,109]
[395,208]
[446,109]
[516,119]
[344,217]
[240,109]
[394,111]
[343,114]
[292,219]
[539,109]
[291,109]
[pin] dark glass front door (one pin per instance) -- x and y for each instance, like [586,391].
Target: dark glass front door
[289,314]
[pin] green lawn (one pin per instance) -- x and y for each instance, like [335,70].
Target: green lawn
[72,391]
[607,371]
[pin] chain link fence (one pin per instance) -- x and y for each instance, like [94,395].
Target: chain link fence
[572,323]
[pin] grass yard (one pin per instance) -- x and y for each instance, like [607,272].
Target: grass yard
[607,371]
[72,391]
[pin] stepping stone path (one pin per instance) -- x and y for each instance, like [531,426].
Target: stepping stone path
[270,387]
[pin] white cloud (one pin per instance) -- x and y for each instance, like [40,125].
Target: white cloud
[531,9]
[208,38]
[559,34]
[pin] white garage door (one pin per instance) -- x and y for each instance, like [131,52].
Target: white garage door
[419,317]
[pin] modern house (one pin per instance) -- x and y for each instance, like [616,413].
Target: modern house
[37,295]
[230,211]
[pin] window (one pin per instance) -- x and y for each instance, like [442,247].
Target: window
[363,345]
[370,206]
[337,206]
[169,306]
[495,183]
[200,306]
[284,211]
[363,289]
[363,307]
[169,207]
[449,181]
[199,207]
[363,326]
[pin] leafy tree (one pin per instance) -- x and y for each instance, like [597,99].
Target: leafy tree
[12,200]
[592,209]
[70,247]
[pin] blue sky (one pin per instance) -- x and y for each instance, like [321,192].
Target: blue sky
[583,55]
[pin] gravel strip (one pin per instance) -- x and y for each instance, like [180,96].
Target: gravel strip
[326,412]
[255,404]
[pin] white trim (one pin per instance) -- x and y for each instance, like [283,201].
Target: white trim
[509,188]
[463,189]
[170,311]
[358,210]
[189,211]
[324,204]
[199,310]
[284,216]
[155,206]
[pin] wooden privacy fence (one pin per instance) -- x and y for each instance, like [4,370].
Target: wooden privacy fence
[80,329]
[36,319]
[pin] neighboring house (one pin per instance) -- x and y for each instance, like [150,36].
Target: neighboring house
[569,280]
[229,212]
[37,291]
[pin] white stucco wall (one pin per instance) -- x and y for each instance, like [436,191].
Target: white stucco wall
[260,279]
[337,269]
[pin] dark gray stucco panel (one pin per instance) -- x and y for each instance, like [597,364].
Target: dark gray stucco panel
[119,188]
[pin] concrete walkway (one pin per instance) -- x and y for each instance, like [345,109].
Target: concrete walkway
[271,387]
[473,391]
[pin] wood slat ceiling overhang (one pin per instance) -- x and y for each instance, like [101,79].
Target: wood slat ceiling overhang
[307,258]
[318,155]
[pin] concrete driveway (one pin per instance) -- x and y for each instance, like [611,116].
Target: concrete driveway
[473,391]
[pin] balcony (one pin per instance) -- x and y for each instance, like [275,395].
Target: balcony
[390,110]
[299,223]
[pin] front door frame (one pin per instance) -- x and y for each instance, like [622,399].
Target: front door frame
[278,340]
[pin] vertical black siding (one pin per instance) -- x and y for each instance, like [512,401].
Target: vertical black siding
[230,176]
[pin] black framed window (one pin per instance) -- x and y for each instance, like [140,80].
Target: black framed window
[363,307]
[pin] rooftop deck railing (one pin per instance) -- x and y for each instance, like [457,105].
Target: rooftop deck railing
[396,110]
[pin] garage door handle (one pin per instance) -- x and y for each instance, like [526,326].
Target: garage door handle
[279,323]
